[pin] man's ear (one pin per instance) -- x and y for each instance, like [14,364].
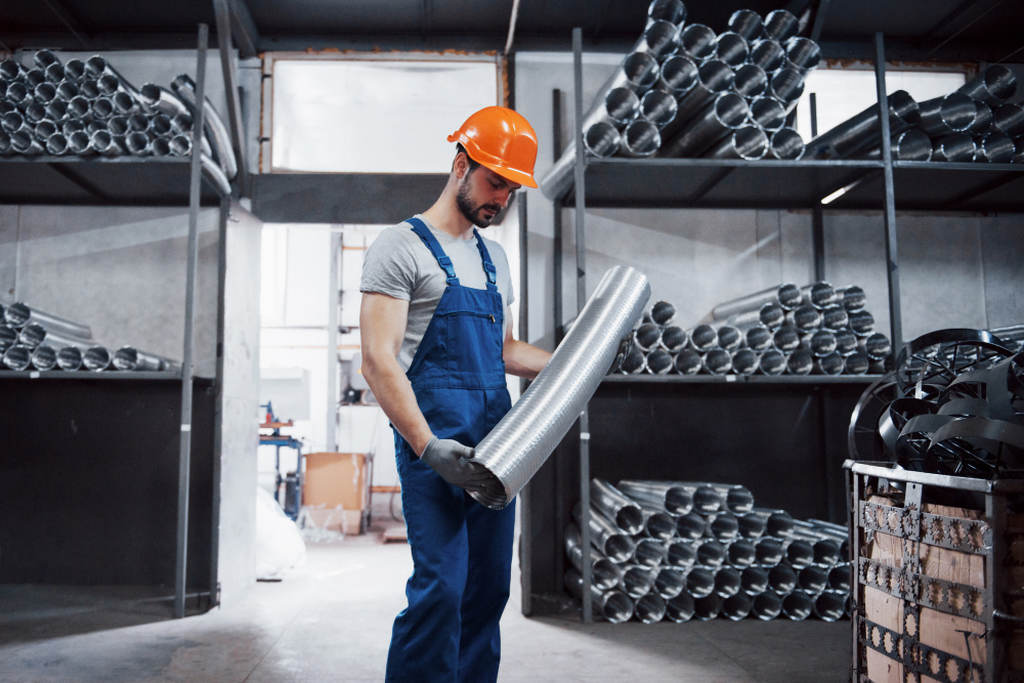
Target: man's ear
[461,165]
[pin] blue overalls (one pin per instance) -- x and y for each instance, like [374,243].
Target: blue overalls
[462,551]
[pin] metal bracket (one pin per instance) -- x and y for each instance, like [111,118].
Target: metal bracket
[936,594]
[918,659]
[972,536]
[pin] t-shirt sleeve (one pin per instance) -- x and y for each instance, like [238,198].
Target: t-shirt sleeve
[389,266]
[501,264]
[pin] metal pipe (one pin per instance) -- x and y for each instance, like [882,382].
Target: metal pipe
[697,42]
[130,358]
[74,69]
[800,362]
[758,338]
[746,142]
[727,582]
[44,358]
[822,343]
[659,362]
[212,124]
[857,363]
[747,23]
[637,580]
[813,579]
[688,362]
[860,132]
[802,54]
[649,552]
[768,551]
[659,525]
[97,66]
[711,553]
[737,607]
[213,172]
[994,148]
[671,498]
[56,110]
[797,606]
[994,85]
[754,580]
[679,609]
[662,312]
[707,608]
[723,527]
[779,523]
[17,357]
[819,294]
[8,336]
[786,143]
[613,606]
[45,92]
[729,338]
[767,54]
[89,89]
[773,362]
[832,364]
[11,69]
[678,75]
[1009,120]
[43,130]
[714,78]
[69,358]
[102,108]
[877,346]
[744,361]
[846,342]
[690,526]
[769,315]
[767,606]
[650,609]
[123,103]
[840,577]
[786,84]
[138,144]
[23,141]
[107,84]
[768,112]
[731,48]
[673,339]
[752,525]
[719,119]
[118,125]
[634,362]
[667,10]
[983,120]
[103,142]
[740,553]
[831,605]
[600,139]
[680,553]
[18,94]
[606,537]
[658,107]
[660,38]
[669,582]
[749,80]
[158,98]
[862,323]
[647,336]
[96,358]
[953,113]
[955,147]
[717,362]
[616,507]
[786,339]
[136,122]
[34,77]
[852,297]
[781,579]
[57,145]
[606,574]
[641,138]
[780,25]
[799,552]
[786,295]
[835,317]
[19,314]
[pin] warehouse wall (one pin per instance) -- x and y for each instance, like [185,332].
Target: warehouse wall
[956,270]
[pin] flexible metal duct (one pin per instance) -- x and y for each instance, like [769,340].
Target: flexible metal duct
[659,525]
[637,580]
[681,554]
[688,362]
[640,138]
[606,537]
[213,172]
[669,582]
[786,339]
[994,85]
[983,119]
[994,148]
[911,145]
[749,80]
[797,605]
[1009,119]
[745,362]
[703,338]
[767,606]
[737,607]
[711,553]
[758,337]
[717,362]
[780,25]
[649,552]
[714,78]
[740,553]
[727,582]
[787,296]
[723,526]
[802,54]
[17,357]
[613,606]
[782,579]
[667,10]
[674,499]
[690,526]
[727,113]
[786,143]
[731,48]
[747,23]
[860,132]
[650,609]
[673,339]
[707,608]
[953,113]
[729,338]
[616,507]
[212,123]
[956,147]
[678,74]
[697,42]
[606,574]
[658,107]
[773,362]
[700,581]
[679,609]
[746,142]
[754,580]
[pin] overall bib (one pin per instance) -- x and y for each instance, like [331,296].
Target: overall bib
[462,551]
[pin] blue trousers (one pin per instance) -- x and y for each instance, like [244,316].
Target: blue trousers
[462,565]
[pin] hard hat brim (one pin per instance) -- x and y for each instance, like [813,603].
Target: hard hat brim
[511,174]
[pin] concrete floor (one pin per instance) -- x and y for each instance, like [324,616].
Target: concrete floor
[331,621]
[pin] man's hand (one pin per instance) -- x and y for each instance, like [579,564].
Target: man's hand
[454,462]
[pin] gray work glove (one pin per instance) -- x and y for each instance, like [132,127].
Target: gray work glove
[453,461]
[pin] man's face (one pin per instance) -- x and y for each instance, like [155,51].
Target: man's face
[482,195]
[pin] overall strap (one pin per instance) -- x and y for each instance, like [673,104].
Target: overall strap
[421,229]
[492,272]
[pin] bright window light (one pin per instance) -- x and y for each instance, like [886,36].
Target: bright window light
[842,93]
[374,116]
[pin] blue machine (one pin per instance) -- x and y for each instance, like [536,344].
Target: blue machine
[287,488]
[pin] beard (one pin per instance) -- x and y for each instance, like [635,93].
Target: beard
[474,214]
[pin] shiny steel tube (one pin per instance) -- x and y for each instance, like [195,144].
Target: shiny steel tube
[747,23]
[660,38]
[97,66]
[877,346]
[130,358]
[690,527]
[778,523]
[8,336]
[69,358]
[831,605]
[669,582]
[746,142]
[983,120]
[679,609]
[180,145]
[671,498]
[57,145]
[212,123]
[703,338]
[710,553]
[634,362]
[11,69]
[805,318]
[601,139]
[723,526]
[752,525]
[659,525]
[1009,119]
[44,358]
[606,537]
[800,362]
[802,54]
[846,342]
[723,116]
[17,357]
[769,315]
[138,144]
[994,85]
[852,297]
[96,358]
[835,317]
[754,580]
[673,339]
[681,554]
[104,143]
[23,141]
[707,608]
[606,574]
[688,362]
[740,553]
[640,138]
[80,143]
[213,172]
[44,128]
[786,295]
[767,112]
[749,80]
[737,607]
[616,507]
[667,10]
[767,54]
[745,361]
[729,338]
[659,362]
[956,147]
[819,294]
[787,85]
[734,497]
[830,364]
[727,582]
[613,606]
[797,606]
[700,581]
[697,42]
[767,606]
[647,336]
[912,145]
[860,132]
[953,113]
[157,98]
[772,363]
[649,552]
[840,577]
[862,323]
[731,48]
[714,78]
[678,75]
[637,580]
[658,107]
[650,609]
[786,143]
[782,579]
[857,363]
[758,337]
[812,579]
[20,314]
[717,362]
[994,148]
[821,343]
[799,552]
[769,551]
[786,338]
[780,25]
[31,335]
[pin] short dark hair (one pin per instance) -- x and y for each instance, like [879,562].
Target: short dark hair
[473,163]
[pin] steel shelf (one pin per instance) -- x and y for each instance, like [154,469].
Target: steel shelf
[741,379]
[88,375]
[101,181]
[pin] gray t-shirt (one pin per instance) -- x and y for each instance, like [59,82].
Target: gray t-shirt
[399,264]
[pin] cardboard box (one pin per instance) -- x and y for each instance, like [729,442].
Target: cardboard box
[336,480]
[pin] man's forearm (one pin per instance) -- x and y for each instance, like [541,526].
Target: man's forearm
[394,393]
[524,360]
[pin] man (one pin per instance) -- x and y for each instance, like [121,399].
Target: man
[436,344]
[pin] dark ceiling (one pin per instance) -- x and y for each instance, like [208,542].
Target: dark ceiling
[959,30]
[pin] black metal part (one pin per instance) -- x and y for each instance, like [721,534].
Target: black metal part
[222,9]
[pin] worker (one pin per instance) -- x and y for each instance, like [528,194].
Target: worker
[436,345]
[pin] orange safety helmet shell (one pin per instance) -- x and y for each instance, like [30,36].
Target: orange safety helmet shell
[503,141]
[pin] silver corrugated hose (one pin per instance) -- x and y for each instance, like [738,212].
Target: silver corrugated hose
[617,507]
[606,574]
[613,605]
[184,86]
[518,445]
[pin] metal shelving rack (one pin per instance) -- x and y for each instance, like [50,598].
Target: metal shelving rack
[153,181]
[720,183]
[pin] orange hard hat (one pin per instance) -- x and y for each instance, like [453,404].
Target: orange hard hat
[503,141]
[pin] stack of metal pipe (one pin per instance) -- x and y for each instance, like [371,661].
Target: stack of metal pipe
[33,340]
[686,91]
[86,108]
[816,329]
[676,551]
[974,123]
